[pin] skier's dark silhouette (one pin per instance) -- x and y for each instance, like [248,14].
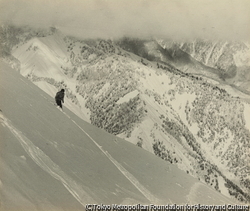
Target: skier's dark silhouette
[60,98]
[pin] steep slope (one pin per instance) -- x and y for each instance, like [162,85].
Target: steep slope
[38,49]
[179,117]
[46,61]
[54,160]
[176,118]
[188,120]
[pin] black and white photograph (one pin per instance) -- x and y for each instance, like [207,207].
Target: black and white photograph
[124,105]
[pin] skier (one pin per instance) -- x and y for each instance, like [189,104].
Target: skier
[59,98]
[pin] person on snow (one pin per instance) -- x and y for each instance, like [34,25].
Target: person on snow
[59,98]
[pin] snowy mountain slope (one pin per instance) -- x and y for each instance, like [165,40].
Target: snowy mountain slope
[37,50]
[214,54]
[223,62]
[185,119]
[169,105]
[230,60]
[45,61]
[167,52]
[54,160]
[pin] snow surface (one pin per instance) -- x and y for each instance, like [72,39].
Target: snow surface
[53,160]
[128,97]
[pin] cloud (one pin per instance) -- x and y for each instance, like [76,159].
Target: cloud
[178,19]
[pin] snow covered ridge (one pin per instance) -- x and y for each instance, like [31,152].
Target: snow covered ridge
[186,115]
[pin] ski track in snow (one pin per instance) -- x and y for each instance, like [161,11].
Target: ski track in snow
[128,175]
[193,193]
[42,160]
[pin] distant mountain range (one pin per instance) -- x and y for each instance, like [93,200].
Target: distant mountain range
[226,62]
[187,103]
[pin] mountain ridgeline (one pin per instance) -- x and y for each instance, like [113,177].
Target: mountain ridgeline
[186,102]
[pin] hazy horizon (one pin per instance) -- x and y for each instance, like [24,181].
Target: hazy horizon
[171,19]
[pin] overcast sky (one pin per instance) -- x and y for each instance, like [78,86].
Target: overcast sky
[182,19]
